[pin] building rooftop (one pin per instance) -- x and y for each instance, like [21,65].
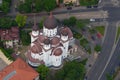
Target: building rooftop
[9,34]
[16,71]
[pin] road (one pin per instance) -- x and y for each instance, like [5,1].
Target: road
[99,65]
[114,62]
[100,68]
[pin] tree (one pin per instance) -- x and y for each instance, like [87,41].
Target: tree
[39,6]
[5,22]
[43,70]
[5,7]
[72,21]
[21,20]
[25,37]
[49,5]
[80,24]
[109,77]
[71,71]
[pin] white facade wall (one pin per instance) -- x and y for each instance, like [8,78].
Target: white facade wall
[46,46]
[50,32]
[33,64]
[34,33]
[66,45]
[64,38]
[47,58]
[56,60]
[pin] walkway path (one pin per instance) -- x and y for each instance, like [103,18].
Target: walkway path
[3,57]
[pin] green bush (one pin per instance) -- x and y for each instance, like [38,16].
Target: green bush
[97,48]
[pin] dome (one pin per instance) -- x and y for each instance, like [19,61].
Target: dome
[40,39]
[50,22]
[47,41]
[36,48]
[58,52]
[64,32]
[55,41]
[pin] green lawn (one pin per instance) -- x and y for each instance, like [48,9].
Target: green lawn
[100,29]
[118,33]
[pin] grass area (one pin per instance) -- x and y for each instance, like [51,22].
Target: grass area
[100,29]
[118,33]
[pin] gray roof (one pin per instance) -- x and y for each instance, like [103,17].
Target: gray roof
[10,75]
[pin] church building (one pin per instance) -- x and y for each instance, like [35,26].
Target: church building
[49,45]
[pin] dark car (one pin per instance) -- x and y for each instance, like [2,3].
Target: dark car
[89,6]
[95,6]
[69,8]
[93,38]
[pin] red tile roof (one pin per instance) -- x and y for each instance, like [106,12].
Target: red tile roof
[18,70]
[9,34]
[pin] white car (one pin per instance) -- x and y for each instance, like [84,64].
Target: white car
[99,1]
[92,19]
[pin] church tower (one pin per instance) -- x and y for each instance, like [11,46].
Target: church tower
[35,31]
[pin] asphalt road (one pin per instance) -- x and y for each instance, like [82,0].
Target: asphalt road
[114,13]
[100,63]
[114,62]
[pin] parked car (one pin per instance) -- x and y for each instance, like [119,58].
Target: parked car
[89,6]
[69,8]
[92,19]
[99,1]
[95,6]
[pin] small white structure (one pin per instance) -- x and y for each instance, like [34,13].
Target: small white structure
[50,45]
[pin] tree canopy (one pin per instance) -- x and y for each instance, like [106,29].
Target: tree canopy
[43,70]
[49,5]
[71,71]
[5,6]
[5,22]
[21,20]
